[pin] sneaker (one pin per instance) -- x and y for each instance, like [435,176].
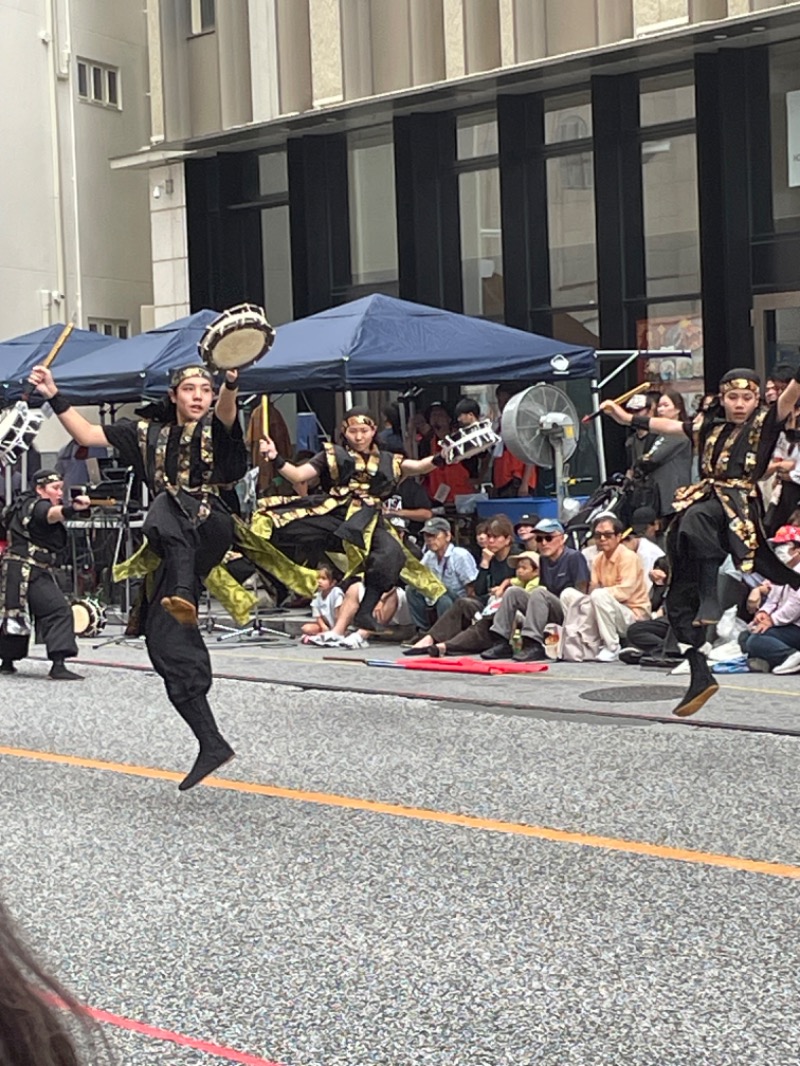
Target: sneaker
[790,665]
[499,650]
[326,640]
[354,640]
[607,655]
[758,666]
[631,656]
[530,652]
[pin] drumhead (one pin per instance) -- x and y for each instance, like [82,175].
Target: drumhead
[81,618]
[240,346]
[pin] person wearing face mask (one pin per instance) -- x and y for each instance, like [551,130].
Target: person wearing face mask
[720,514]
[772,640]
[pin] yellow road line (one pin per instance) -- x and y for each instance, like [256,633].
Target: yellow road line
[424,814]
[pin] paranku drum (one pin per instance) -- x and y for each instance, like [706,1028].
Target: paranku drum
[18,428]
[467,441]
[236,338]
[88,617]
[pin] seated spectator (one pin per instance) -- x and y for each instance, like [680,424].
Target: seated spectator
[618,592]
[525,530]
[390,438]
[412,504]
[560,568]
[475,635]
[392,611]
[494,576]
[772,640]
[508,472]
[637,540]
[325,604]
[652,642]
[455,568]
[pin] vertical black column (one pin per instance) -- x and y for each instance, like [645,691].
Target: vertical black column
[426,190]
[319,221]
[723,186]
[224,245]
[523,190]
[618,206]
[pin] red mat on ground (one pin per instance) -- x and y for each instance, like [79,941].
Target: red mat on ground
[473,666]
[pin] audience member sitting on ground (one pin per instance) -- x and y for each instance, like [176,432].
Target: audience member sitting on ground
[475,635]
[639,540]
[652,643]
[618,593]
[560,568]
[524,531]
[391,611]
[494,575]
[455,567]
[326,603]
[772,640]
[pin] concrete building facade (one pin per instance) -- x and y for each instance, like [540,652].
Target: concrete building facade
[620,172]
[74,235]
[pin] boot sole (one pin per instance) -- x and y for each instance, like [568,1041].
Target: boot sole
[684,710]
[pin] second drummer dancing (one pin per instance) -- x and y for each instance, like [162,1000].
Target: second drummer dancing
[721,514]
[183,457]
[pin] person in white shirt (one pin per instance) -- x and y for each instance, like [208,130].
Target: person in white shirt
[326,603]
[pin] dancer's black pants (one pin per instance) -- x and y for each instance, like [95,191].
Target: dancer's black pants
[53,616]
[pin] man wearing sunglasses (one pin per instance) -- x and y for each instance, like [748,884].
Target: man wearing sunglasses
[560,568]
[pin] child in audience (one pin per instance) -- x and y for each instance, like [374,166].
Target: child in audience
[326,603]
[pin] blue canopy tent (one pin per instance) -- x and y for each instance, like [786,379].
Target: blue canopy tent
[118,373]
[19,355]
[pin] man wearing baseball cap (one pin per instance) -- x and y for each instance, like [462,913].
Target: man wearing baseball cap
[560,568]
[772,640]
[455,567]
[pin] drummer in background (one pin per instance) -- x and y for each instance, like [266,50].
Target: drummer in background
[184,455]
[28,586]
[356,478]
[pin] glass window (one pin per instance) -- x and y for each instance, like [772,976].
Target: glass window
[678,326]
[577,327]
[208,16]
[481,243]
[111,83]
[373,218]
[567,118]
[668,98]
[277,262]
[83,80]
[671,238]
[273,176]
[571,230]
[476,135]
[784,79]
[97,84]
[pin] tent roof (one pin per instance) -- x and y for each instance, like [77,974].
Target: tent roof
[379,342]
[20,354]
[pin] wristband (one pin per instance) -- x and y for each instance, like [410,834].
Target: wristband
[279,462]
[439,460]
[640,422]
[68,512]
[59,403]
[232,385]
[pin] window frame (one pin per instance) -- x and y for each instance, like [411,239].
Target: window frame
[90,71]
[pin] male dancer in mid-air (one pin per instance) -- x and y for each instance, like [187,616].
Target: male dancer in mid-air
[183,457]
[720,515]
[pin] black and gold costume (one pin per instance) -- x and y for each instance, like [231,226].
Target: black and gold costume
[345,518]
[28,589]
[189,530]
[720,515]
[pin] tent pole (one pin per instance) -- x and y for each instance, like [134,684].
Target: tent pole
[348,399]
[598,432]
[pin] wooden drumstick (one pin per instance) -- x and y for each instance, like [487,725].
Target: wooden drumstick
[265,416]
[645,385]
[48,359]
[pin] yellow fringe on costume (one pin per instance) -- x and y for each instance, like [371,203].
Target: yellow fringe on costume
[237,601]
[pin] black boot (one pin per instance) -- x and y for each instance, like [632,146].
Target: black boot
[708,613]
[7,667]
[214,749]
[59,672]
[532,651]
[499,650]
[702,685]
[363,618]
